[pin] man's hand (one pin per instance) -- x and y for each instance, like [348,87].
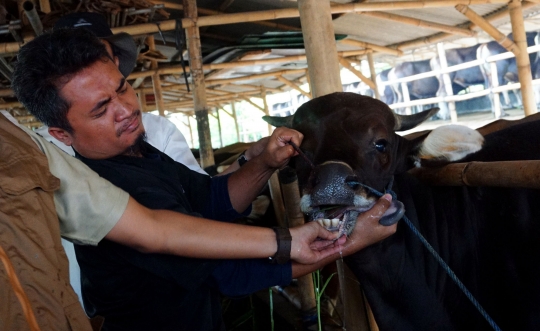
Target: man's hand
[368,230]
[278,151]
[312,243]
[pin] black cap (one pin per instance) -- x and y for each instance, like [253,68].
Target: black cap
[127,55]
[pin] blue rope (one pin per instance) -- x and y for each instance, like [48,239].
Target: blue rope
[439,259]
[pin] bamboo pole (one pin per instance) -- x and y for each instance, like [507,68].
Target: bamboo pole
[156,81]
[277,200]
[235,117]
[150,28]
[442,36]
[524,174]
[421,23]
[253,104]
[488,28]
[295,217]
[214,81]
[381,49]
[349,66]
[373,74]
[319,42]
[199,87]
[293,86]
[266,109]
[447,83]
[522,59]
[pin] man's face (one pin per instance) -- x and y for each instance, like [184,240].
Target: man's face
[104,112]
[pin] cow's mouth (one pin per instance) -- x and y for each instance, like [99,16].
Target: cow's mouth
[343,218]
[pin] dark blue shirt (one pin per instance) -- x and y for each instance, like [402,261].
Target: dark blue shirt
[136,291]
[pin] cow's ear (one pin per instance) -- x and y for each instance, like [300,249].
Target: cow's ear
[279,121]
[445,144]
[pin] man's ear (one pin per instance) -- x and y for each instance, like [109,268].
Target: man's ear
[61,135]
[117,61]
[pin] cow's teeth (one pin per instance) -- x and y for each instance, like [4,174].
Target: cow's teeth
[320,221]
[327,222]
[335,222]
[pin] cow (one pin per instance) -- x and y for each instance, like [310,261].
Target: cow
[507,68]
[488,236]
[418,89]
[460,79]
[386,93]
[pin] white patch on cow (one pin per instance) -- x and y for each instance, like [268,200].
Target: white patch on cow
[305,203]
[450,142]
[360,201]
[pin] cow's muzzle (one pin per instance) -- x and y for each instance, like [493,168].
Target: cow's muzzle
[335,197]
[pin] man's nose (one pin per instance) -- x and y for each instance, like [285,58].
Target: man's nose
[122,110]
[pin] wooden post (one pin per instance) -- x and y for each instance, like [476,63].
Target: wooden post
[277,200]
[156,80]
[199,88]
[266,109]
[447,83]
[496,96]
[406,97]
[233,108]
[324,78]
[291,199]
[142,100]
[373,74]
[219,128]
[522,59]
[320,45]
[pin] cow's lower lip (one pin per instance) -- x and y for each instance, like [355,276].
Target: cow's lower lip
[343,218]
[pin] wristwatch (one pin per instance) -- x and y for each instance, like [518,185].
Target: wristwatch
[242,159]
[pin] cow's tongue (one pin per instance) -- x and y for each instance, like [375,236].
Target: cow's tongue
[343,218]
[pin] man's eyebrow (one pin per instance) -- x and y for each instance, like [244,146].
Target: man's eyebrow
[104,102]
[122,83]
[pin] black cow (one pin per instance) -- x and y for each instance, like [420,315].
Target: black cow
[460,79]
[507,68]
[488,236]
[418,89]
[387,93]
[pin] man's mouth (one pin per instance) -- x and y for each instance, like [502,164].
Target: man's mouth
[130,125]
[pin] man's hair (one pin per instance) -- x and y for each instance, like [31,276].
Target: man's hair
[46,64]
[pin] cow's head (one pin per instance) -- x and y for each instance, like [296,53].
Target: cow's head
[351,139]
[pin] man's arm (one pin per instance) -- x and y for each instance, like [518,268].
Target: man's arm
[161,231]
[367,231]
[246,183]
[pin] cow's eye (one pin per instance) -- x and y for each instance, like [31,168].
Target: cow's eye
[380,145]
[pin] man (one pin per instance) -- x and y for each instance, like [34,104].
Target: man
[161,133]
[103,123]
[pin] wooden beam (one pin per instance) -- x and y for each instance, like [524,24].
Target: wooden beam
[381,49]
[420,23]
[293,85]
[488,28]
[199,87]
[522,58]
[344,62]
[373,75]
[214,81]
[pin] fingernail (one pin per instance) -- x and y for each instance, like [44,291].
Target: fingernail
[387,197]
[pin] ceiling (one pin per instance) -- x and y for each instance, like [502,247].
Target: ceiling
[273,48]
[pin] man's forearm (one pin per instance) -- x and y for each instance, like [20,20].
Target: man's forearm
[160,231]
[247,182]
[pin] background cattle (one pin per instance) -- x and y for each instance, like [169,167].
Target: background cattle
[418,89]
[507,68]
[386,93]
[488,236]
[460,79]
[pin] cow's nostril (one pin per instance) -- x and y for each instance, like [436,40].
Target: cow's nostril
[353,183]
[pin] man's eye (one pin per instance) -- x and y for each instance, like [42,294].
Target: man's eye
[101,113]
[380,145]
